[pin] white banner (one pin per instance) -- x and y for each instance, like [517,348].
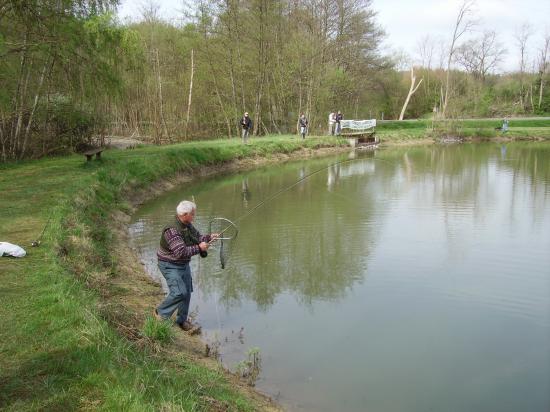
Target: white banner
[358,124]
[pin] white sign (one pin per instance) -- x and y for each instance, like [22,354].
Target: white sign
[358,124]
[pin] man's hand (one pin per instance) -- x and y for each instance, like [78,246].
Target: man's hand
[214,236]
[203,246]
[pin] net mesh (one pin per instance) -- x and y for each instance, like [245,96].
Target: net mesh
[228,232]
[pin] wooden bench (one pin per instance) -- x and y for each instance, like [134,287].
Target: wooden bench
[90,153]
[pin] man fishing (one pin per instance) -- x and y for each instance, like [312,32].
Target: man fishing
[179,241]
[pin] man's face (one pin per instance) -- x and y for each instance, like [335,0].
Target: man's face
[187,217]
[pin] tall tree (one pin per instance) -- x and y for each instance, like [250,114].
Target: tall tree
[56,53]
[543,64]
[412,90]
[463,24]
[522,36]
[481,55]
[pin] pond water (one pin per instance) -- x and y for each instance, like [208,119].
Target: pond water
[413,279]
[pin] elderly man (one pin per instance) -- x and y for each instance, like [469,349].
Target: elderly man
[178,243]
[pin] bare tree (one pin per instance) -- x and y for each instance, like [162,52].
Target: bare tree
[463,24]
[150,11]
[190,93]
[480,56]
[543,65]
[412,89]
[162,126]
[426,49]
[522,36]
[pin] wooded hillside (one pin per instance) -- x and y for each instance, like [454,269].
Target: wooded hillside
[70,71]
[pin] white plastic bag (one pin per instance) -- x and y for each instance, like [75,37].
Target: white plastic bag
[9,249]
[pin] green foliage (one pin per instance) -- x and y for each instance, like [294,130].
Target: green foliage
[544,109]
[404,124]
[161,331]
[284,60]
[469,123]
[73,127]
[77,52]
[250,368]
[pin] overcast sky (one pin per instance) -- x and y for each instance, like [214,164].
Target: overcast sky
[406,22]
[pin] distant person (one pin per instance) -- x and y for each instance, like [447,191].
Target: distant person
[338,119]
[505,125]
[246,124]
[331,122]
[302,122]
[180,241]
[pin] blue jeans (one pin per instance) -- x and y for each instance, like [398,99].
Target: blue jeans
[245,135]
[180,287]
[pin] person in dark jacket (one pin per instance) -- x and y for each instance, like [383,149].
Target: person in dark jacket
[246,124]
[339,118]
[302,122]
[178,243]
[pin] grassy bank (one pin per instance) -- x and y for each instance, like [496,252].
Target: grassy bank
[394,131]
[61,346]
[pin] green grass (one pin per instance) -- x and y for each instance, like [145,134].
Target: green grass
[384,125]
[58,349]
[160,331]
[411,130]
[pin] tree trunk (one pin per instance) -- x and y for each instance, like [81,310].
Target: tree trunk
[190,94]
[460,28]
[531,99]
[161,110]
[19,101]
[540,90]
[33,110]
[412,90]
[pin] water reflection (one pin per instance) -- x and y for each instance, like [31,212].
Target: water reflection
[311,248]
[429,262]
[246,195]
[315,242]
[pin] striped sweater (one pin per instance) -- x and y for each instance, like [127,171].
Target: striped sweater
[179,252]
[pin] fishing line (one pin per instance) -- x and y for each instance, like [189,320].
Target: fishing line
[231,225]
[286,188]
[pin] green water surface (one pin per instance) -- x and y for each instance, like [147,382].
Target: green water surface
[413,279]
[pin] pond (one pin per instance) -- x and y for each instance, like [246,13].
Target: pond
[406,279]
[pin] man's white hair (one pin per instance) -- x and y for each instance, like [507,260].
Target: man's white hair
[185,207]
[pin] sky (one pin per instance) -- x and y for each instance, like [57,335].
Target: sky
[406,22]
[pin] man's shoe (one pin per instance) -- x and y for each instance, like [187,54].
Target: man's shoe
[156,315]
[186,326]
[190,328]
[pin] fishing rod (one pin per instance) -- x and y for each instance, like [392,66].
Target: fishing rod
[286,188]
[38,241]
